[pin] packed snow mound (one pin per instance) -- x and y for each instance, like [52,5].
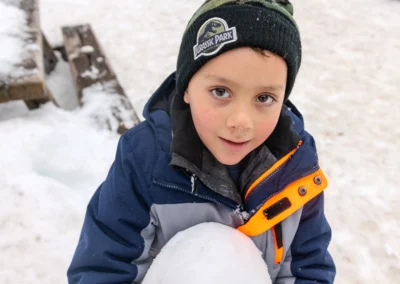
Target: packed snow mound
[209,253]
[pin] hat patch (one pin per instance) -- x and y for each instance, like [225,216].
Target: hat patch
[212,36]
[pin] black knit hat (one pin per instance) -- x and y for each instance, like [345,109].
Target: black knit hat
[222,25]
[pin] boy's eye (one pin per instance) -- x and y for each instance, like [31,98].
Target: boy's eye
[265,99]
[220,93]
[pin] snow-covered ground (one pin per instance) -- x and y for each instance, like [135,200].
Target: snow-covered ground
[52,160]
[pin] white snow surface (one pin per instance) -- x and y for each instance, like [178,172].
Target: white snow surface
[12,36]
[100,102]
[15,41]
[62,85]
[209,253]
[52,160]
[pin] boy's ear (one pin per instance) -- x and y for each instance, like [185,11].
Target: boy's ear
[186,97]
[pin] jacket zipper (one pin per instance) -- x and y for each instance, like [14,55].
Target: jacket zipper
[193,192]
[304,174]
[267,178]
[276,171]
[193,179]
[239,208]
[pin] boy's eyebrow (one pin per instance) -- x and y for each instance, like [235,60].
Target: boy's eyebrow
[230,82]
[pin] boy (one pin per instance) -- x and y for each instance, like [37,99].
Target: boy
[221,143]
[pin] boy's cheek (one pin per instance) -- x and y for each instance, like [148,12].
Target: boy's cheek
[264,129]
[205,115]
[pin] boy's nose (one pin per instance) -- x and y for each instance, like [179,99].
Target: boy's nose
[240,120]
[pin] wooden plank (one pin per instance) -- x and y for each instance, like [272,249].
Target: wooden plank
[89,66]
[96,55]
[27,90]
[27,80]
[4,96]
[78,61]
[50,61]
[87,60]
[36,103]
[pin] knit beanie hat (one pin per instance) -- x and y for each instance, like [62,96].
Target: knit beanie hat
[222,25]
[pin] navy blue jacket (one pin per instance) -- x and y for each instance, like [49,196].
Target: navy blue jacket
[147,198]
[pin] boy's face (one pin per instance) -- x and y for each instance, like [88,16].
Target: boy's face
[235,101]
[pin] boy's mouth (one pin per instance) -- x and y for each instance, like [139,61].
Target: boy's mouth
[235,146]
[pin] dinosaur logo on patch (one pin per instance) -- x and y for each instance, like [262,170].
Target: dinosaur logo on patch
[212,36]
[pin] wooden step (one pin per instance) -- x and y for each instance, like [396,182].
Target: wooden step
[28,83]
[89,67]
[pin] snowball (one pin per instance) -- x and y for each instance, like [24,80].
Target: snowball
[209,253]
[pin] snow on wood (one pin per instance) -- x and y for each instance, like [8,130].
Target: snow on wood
[84,51]
[21,65]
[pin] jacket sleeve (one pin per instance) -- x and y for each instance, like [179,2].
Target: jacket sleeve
[308,260]
[117,232]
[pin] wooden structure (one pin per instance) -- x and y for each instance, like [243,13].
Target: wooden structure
[29,84]
[89,66]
